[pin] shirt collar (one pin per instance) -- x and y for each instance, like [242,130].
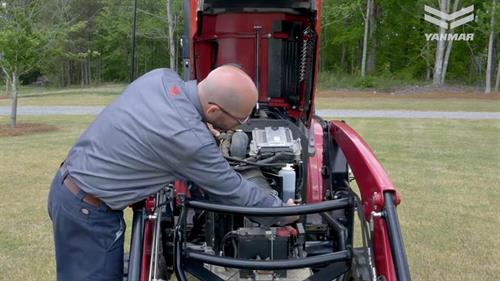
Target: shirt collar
[192,94]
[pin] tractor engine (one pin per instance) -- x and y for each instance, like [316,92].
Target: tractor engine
[271,151]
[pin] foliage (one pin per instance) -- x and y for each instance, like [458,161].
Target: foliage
[21,44]
[402,49]
[84,42]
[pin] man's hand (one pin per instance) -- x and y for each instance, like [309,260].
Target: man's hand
[289,219]
[214,132]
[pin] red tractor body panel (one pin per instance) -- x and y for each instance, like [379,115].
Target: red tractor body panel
[277,44]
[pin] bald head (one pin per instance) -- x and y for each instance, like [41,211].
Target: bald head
[231,89]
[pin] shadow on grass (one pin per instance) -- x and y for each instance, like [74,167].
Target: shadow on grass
[76,93]
[25,129]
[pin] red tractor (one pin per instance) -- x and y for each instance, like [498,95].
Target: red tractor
[284,147]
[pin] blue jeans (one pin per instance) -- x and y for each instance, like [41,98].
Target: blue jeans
[88,240]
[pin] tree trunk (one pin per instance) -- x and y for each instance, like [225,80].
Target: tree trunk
[7,86]
[365,37]
[7,81]
[13,108]
[177,45]
[438,64]
[342,56]
[89,70]
[372,53]
[82,74]
[353,53]
[61,77]
[171,43]
[428,62]
[68,73]
[489,63]
[448,48]
[497,83]
[100,68]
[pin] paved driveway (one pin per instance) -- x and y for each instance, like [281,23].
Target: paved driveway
[331,113]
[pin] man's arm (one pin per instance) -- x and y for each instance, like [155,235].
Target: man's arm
[207,168]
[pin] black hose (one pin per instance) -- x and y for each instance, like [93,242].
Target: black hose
[178,241]
[233,236]
[269,265]
[365,233]
[324,206]
[254,163]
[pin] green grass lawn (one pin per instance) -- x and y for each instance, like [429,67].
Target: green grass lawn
[446,170]
[104,94]
[430,102]
[100,95]
[448,174]
[27,167]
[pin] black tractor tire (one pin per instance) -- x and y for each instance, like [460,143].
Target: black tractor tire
[360,266]
[126,258]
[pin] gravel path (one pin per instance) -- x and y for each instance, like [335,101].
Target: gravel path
[53,110]
[409,114]
[94,110]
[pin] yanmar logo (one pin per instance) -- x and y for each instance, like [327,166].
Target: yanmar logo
[449,22]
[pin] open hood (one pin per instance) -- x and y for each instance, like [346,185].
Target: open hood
[275,42]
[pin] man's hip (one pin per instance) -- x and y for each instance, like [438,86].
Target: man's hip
[88,239]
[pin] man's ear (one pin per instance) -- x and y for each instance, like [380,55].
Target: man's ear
[212,108]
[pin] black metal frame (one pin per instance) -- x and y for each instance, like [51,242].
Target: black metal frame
[136,244]
[395,238]
[338,262]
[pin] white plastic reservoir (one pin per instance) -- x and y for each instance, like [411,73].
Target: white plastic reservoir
[288,175]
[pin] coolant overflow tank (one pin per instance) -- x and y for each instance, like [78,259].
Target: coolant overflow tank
[239,144]
[288,175]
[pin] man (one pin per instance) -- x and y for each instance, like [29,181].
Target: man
[153,133]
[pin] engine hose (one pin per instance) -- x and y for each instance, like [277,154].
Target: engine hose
[254,163]
[230,235]
[276,156]
[366,235]
[301,177]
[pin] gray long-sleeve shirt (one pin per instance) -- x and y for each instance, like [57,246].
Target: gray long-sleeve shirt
[150,135]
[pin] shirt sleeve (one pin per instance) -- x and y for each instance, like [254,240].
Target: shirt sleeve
[207,168]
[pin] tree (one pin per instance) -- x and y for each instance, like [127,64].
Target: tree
[497,83]
[342,31]
[449,45]
[373,45]
[22,46]
[440,48]
[365,36]
[490,49]
[171,40]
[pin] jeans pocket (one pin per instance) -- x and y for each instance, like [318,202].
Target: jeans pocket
[114,255]
[118,235]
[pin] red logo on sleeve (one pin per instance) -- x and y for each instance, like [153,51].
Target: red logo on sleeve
[174,91]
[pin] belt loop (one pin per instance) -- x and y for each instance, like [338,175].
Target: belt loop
[64,171]
[104,206]
[81,194]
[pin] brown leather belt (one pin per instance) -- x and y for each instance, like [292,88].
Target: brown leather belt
[89,199]
[73,188]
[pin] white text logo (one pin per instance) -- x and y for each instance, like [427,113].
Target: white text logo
[449,22]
